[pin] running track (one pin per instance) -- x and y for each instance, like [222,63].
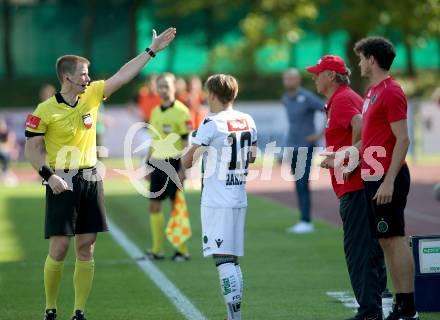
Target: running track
[422,212]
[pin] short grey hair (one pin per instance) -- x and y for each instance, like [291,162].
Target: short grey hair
[343,78]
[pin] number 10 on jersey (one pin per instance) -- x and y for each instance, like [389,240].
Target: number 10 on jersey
[240,143]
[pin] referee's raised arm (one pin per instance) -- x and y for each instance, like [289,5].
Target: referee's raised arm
[134,66]
[61,145]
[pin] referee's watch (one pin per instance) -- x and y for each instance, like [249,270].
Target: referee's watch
[150,52]
[45,172]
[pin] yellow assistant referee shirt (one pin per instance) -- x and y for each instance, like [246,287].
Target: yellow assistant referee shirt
[69,131]
[168,127]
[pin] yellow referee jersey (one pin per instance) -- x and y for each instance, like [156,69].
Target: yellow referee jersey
[69,131]
[167,127]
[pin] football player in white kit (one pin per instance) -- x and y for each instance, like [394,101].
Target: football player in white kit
[227,139]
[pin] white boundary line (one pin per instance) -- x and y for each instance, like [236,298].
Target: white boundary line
[346,298]
[349,301]
[182,303]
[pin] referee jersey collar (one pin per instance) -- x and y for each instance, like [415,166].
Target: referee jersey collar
[163,108]
[60,99]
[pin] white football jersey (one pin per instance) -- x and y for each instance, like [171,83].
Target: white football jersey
[228,136]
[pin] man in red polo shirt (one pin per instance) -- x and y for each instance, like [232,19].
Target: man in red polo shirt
[343,129]
[385,173]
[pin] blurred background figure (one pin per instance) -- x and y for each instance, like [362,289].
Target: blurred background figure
[196,99]
[46,91]
[436,96]
[103,122]
[301,106]
[8,152]
[147,98]
[182,90]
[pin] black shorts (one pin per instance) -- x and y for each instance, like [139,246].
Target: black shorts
[161,185]
[78,211]
[389,218]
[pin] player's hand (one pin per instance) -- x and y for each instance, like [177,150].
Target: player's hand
[159,42]
[327,163]
[57,184]
[384,194]
[330,159]
[333,159]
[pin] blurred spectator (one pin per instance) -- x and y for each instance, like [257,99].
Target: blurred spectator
[182,90]
[8,151]
[196,98]
[301,106]
[47,91]
[103,121]
[436,96]
[148,98]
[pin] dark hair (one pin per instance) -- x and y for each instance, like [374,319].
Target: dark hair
[223,86]
[380,48]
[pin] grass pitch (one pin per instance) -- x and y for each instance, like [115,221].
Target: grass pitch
[286,276]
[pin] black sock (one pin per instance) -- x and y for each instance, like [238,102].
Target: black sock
[406,304]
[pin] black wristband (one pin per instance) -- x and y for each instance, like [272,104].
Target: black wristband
[45,172]
[150,52]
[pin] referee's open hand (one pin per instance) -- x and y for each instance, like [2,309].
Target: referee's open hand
[162,40]
[57,184]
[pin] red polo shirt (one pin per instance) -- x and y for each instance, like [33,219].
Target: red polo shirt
[342,106]
[384,103]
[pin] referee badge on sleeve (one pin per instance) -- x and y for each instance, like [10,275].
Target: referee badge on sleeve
[32,121]
[88,121]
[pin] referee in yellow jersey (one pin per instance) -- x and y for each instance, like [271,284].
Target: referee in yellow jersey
[61,146]
[170,125]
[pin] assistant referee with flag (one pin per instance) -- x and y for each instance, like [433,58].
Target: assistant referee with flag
[170,125]
[61,146]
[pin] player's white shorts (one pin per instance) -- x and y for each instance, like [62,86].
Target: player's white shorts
[223,230]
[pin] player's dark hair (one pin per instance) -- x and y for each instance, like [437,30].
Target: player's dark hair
[68,64]
[380,48]
[223,86]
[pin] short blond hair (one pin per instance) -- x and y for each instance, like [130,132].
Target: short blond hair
[223,86]
[68,64]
